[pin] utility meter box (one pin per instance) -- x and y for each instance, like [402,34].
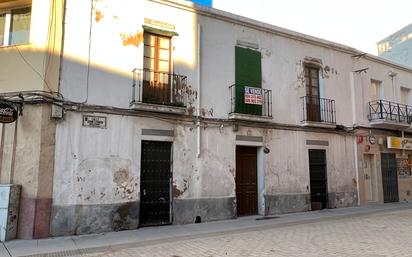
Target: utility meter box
[9,211]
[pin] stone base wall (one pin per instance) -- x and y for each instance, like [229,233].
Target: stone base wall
[208,209]
[86,219]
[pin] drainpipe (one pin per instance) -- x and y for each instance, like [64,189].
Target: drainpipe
[198,94]
[355,145]
[403,135]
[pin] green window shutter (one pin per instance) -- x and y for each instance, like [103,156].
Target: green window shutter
[248,72]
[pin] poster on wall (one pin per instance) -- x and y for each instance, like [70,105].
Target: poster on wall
[404,167]
[253,95]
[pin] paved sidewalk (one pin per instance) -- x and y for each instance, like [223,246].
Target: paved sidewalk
[113,241]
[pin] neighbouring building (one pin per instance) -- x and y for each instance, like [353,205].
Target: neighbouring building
[397,47]
[383,115]
[167,112]
[30,47]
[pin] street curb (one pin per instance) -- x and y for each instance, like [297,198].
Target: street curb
[136,244]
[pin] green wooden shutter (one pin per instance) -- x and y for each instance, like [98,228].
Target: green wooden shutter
[248,72]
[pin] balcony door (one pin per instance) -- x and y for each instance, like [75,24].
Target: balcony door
[248,73]
[312,93]
[157,69]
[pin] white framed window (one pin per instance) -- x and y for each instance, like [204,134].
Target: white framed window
[376,90]
[15,26]
[405,95]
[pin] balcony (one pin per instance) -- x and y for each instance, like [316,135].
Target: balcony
[386,114]
[159,92]
[318,112]
[250,103]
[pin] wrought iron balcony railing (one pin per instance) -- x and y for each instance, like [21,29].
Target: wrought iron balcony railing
[318,109]
[251,100]
[390,111]
[159,88]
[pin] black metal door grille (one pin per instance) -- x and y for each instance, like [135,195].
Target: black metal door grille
[155,200]
[389,178]
[318,179]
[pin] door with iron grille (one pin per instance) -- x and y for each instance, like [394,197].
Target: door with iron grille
[318,179]
[389,177]
[246,180]
[155,183]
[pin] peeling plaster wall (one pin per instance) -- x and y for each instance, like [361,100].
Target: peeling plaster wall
[101,51]
[26,158]
[97,172]
[282,70]
[114,36]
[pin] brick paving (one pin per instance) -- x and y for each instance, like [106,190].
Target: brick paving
[379,234]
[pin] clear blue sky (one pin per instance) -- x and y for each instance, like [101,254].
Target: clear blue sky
[204,2]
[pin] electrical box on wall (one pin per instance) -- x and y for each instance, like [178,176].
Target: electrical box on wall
[9,211]
[56,111]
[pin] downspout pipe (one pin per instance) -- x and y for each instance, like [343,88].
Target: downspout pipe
[198,130]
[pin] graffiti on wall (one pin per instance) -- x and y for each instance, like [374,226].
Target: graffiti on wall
[403,167]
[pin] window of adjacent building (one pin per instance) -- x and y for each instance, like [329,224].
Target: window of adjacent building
[2,28]
[376,90]
[405,95]
[15,26]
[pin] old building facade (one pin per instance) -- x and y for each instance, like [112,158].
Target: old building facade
[173,113]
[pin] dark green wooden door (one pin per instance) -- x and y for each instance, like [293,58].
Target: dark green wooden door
[318,179]
[155,196]
[389,177]
[248,73]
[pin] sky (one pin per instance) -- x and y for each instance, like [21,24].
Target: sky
[204,2]
[355,23]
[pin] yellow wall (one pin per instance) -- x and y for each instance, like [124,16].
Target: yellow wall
[28,66]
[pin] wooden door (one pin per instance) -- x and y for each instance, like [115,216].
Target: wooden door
[157,68]
[312,94]
[369,178]
[246,180]
[155,183]
[318,179]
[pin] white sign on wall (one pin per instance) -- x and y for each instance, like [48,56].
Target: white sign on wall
[253,95]
[399,143]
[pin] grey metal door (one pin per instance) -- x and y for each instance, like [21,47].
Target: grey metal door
[389,178]
[155,191]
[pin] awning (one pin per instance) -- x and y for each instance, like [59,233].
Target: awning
[160,31]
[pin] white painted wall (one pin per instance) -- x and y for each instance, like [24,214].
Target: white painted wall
[109,81]
[85,155]
[380,72]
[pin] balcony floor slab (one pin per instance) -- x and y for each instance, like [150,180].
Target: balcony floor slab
[158,108]
[248,117]
[316,124]
[389,124]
